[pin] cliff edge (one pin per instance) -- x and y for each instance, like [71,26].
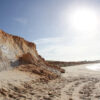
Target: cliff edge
[15,52]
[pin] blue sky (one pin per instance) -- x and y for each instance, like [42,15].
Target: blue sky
[47,23]
[31,19]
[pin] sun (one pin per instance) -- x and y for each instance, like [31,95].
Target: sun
[84,20]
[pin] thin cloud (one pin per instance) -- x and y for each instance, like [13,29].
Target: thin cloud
[58,49]
[21,20]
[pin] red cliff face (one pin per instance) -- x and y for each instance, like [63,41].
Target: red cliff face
[14,46]
[15,51]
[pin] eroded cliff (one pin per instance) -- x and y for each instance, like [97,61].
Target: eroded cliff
[19,53]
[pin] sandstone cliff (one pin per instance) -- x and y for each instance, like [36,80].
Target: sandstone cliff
[19,53]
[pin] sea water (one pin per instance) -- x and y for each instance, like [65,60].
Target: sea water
[95,67]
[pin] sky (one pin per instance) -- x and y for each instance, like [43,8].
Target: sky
[65,30]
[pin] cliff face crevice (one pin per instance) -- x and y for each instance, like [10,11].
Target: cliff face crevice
[17,52]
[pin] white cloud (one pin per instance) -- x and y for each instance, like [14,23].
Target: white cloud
[21,20]
[59,49]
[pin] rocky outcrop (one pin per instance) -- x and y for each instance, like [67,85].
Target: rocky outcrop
[17,52]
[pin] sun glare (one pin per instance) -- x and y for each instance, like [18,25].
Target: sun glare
[84,20]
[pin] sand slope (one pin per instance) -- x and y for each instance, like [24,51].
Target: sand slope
[18,85]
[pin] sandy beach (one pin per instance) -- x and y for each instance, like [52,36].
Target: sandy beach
[82,83]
